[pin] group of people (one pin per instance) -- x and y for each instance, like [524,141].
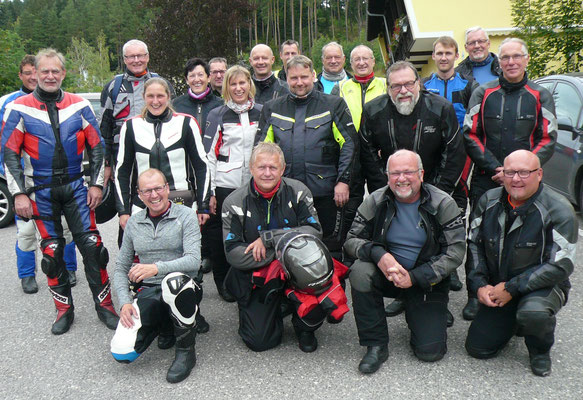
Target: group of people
[260,176]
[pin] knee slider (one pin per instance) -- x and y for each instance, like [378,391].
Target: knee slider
[91,244]
[430,353]
[535,323]
[182,294]
[52,261]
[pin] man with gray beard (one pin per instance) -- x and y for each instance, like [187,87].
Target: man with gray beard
[413,119]
[410,118]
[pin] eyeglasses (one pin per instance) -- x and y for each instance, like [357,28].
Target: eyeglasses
[476,42]
[219,71]
[136,57]
[148,192]
[361,59]
[406,174]
[509,173]
[514,57]
[408,85]
[27,73]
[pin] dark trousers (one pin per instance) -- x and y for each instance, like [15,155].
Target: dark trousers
[260,318]
[531,316]
[330,218]
[214,234]
[425,312]
[480,185]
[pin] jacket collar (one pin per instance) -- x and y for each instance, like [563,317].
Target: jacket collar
[522,209]
[424,198]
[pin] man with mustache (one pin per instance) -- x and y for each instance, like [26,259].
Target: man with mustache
[413,119]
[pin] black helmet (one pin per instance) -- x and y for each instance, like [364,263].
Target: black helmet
[106,209]
[306,261]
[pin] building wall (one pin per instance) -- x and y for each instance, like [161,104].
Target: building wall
[449,17]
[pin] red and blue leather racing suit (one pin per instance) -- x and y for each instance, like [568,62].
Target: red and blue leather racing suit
[49,136]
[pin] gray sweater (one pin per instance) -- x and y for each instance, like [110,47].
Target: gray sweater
[174,246]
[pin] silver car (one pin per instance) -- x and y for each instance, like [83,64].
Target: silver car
[564,171]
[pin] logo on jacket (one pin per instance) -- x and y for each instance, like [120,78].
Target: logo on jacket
[429,129]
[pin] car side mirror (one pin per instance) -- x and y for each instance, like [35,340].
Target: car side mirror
[565,124]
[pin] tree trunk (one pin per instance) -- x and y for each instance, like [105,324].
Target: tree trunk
[332,18]
[301,33]
[309,26]
[268,21]
[293,21]
[315,21]
[250,34]
[255,21]
[285,20]
[346,17]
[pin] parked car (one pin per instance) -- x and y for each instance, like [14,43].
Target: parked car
[564,171]
[6,201]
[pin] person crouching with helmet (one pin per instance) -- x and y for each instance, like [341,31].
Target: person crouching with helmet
[272,240]
[166,238]
[407,239]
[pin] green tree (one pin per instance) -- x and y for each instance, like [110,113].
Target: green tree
[553,33]
[185,29]
[87,67]
[11,52]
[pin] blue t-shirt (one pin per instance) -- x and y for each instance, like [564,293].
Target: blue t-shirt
[484,73]
[405,237]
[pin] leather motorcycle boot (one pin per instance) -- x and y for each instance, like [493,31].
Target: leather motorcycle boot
[225,294]
[455,284]
[185,356]
[201,325]
[471,309]
[29,285]
[540,362]
[166,337]
[450,319]
[307,341]
[395,308]
[72,278]
[104,305]
[65,309]
[373,359]
[206,265]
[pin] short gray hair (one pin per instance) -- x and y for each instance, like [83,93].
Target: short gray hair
[514,40]
[267,148]
[49,53]
[134,42]
[361,46]
[403,152]
[330,44]
[475,29]
[302,61]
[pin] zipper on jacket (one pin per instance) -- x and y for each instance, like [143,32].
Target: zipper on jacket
[417,136]
[157,133]
[391,127]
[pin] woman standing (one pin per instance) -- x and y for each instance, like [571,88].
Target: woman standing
[161,139]
[198,102]
[229,139]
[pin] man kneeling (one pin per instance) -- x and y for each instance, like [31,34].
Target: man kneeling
[407,239]
[521,251]
[166,238]
[269,212]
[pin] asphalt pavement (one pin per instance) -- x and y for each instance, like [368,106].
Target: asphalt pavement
[78,365]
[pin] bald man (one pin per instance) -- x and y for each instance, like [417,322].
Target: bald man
[267,86]
[521,252]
